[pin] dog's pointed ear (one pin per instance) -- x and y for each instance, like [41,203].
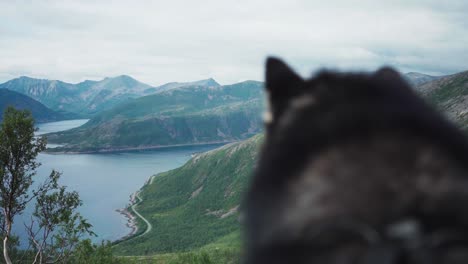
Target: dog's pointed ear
[279,78]
[282,84]
[389,76]
[387,73]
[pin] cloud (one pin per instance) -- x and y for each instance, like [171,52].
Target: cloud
[162,41]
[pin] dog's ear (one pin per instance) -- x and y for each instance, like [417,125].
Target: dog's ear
[390,76]
[387,73]
[280,79]
[282,83]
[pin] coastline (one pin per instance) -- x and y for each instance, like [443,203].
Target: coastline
[114,150]
[127,212]
[131,219]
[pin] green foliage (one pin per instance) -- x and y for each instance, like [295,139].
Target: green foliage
[196,205]
[221,255]
[195,258]
[55,226]
[18,151]
[59,226]
[87,252]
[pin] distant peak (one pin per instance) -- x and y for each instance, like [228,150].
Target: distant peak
[207,82]
[28,78]
[124,76]
[120,78]
[89,81]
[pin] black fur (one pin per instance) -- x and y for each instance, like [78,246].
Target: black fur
[360,120]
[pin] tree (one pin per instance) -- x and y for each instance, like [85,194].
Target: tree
[18,151]
[56,227]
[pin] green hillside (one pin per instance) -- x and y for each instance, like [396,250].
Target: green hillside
[39,111]
[185,206]
[188,115]
[195,205]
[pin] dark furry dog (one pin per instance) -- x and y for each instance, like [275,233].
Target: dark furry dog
[356,168]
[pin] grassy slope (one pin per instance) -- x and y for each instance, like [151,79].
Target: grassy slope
[187,206]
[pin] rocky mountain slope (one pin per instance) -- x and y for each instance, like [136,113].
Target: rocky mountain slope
[416,78]
[450,95]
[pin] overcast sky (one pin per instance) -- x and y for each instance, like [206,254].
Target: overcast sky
[171,40]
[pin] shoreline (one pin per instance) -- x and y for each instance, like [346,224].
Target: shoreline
[131,219]
[115,150]
[127,213]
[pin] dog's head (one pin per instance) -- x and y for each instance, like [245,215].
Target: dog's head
[350,171]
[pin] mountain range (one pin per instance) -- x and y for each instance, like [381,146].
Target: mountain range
[179,116]
[89,97]
[128,114]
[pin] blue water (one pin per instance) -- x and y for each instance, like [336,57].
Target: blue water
[105,181]
[59,126]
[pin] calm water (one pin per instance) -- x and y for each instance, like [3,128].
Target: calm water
[105,181]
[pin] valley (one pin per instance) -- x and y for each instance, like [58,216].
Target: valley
[106,181]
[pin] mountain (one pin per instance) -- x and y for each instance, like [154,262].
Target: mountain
[416,78]
[90,97]
[450,95]
[40,112]
[179,116]
[197,204]
[56,95]
[105,94]
[87,97]
[208,82]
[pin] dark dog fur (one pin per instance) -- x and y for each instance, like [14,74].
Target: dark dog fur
[356,168]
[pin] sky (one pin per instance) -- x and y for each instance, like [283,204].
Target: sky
[163,41]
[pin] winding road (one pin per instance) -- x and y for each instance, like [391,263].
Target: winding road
[149,226]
